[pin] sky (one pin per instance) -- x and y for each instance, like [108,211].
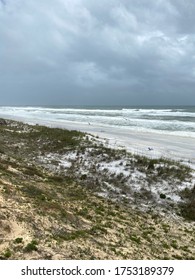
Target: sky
[89,52]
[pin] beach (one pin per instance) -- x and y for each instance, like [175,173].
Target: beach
[150,144]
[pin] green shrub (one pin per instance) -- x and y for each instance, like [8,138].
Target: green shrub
[32,246]
[7,254]
[165,245]
[136,239]
[174,244]
[18,240]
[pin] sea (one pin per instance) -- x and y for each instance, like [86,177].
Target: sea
[173,120]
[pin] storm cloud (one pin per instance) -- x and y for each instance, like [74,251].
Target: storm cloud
[85,52]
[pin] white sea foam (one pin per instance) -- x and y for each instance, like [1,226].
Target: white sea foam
[170,121]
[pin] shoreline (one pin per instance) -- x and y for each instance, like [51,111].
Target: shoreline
[152,145]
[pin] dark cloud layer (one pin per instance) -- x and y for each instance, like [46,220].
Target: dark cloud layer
[97,52]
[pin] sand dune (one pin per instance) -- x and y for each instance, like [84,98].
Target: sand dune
[148,144]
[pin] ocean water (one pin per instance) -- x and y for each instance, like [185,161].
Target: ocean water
[167,120]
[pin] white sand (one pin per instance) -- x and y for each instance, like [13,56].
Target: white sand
[169,146]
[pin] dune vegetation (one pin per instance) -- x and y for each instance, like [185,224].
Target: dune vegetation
[67,195]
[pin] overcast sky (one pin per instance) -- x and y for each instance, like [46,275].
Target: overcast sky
[88,52]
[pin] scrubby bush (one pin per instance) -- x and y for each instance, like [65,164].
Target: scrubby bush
[18,240]
[7,254]
[162,196]
[32,246]
[188,206]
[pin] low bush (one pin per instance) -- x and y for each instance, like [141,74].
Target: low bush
[32,246]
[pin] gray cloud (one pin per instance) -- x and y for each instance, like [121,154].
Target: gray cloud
[89,52]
